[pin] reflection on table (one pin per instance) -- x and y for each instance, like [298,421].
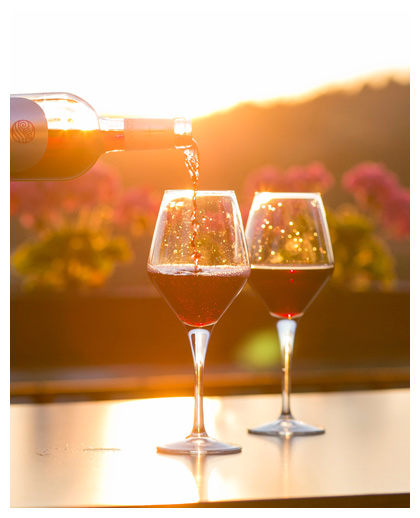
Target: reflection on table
[104,453]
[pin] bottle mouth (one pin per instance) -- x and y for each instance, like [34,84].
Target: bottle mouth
[182,127]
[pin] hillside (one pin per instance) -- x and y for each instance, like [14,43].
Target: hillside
[338,129]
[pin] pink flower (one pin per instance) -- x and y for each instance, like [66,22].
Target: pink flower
[101,185]
[313,177]
[134,207]
[310,178]
[378,190]
[24,196]
[396,214]
[267,178]
[371,184]
[38,204]
[26,201]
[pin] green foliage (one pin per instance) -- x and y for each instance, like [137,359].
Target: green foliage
[80,229]
[362,258]
[69,260]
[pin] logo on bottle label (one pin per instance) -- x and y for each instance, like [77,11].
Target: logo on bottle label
[22,131]
[28,133]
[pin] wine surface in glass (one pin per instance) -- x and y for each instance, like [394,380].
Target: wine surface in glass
[198,297]
[287,291]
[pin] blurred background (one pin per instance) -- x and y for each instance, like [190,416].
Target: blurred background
[281,99]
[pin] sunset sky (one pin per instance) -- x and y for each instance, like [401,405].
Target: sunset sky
[191,61]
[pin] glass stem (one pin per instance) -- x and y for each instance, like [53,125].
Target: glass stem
[199,339]
[286,330]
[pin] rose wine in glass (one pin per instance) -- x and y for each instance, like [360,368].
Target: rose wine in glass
[291,261]
[199,263]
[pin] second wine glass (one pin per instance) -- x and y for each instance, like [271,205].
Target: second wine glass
[291,259]
[199,263]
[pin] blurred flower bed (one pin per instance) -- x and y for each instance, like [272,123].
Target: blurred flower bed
[378,212]
[78,231]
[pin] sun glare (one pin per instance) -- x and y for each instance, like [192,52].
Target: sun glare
[219,59]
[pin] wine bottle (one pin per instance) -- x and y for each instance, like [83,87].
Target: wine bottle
[58,136]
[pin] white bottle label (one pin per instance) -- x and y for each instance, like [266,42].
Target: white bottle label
[149,134]
[28,133]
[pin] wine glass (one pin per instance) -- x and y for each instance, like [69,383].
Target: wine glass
[291,261]
[199,263]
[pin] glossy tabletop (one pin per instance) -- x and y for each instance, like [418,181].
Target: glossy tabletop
[103,453]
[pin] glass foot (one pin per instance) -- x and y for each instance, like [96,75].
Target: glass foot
[287,427]
[199,446]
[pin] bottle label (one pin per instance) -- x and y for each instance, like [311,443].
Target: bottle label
[149,134]
[28,133]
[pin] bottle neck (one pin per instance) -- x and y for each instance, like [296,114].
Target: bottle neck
[136,134]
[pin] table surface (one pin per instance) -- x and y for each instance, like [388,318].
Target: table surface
[103,453]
